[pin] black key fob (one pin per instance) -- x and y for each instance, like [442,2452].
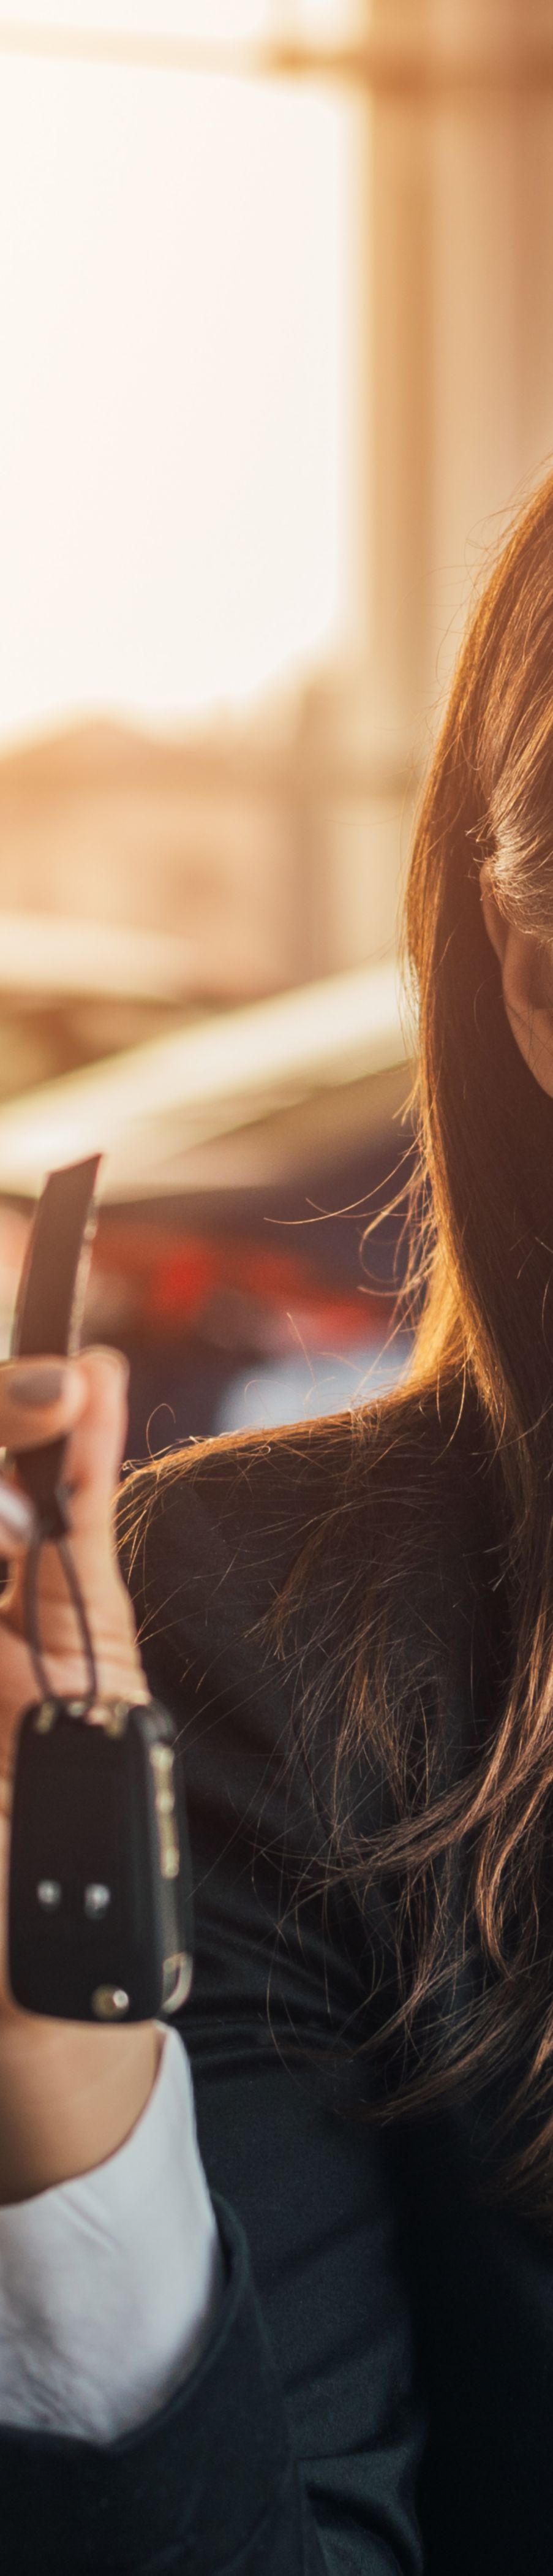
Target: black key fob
[99,1907]
[99,1880]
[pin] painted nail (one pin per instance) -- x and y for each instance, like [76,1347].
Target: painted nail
[17,1517]
[37,1384]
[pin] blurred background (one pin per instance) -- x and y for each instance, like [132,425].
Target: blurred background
[276,283]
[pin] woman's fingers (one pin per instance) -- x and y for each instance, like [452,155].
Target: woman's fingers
[83,1401]
[97,1439]
[92,1414]
[40,1399]
[17,1520]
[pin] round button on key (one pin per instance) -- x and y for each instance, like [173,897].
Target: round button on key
[109,2002]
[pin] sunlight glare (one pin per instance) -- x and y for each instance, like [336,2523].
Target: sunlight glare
[176,318]
[215,21]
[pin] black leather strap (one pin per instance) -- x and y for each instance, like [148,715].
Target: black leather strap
[49,1304]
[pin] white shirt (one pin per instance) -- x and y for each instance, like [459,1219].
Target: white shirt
[109,2283]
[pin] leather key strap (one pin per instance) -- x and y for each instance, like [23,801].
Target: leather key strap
[48,1313]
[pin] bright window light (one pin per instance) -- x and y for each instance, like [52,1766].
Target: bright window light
[178,326]
[211,21]
[333,19]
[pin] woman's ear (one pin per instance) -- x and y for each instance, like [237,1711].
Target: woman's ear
[527,979]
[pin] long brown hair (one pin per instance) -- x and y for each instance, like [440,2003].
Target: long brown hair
[464,1857]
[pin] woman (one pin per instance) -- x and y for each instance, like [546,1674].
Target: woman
[352,1622]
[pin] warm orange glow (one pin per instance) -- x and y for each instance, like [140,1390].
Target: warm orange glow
[209,1078]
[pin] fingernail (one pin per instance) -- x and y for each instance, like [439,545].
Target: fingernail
[38,1384]
[16,1514]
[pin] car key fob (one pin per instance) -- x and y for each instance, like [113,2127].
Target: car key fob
[99,1881]
[99,1904]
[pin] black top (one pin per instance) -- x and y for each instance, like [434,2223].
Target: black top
[376,2398]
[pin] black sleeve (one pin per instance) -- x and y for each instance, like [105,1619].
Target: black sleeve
[294,2447]
[215,2484]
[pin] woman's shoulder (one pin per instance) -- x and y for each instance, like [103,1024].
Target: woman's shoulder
[234,1512]
[223,1522]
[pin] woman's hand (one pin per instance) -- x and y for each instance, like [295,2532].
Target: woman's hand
[68,2093]
[39,1399]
